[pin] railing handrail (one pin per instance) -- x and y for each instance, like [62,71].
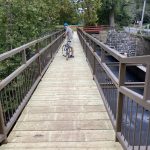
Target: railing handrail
[122,58]
[14,51]
[14,74]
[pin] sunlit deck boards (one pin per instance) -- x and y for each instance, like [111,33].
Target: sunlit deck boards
[65,112]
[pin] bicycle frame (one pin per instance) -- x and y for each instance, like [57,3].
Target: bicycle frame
[67,49]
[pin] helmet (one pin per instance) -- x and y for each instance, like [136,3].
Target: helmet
[65,24]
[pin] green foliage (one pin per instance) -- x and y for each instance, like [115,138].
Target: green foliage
[146,16]
[122,16]
[24,20]
[68,13]
[90,14]
[118,7]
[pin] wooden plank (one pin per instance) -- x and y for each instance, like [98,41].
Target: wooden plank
[61,136]
[63,103]
[98,144]
[63,125]
[63,116]
[65,109]
[63,148]
[63,98]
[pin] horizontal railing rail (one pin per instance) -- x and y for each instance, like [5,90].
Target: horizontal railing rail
[124,84]
[18,85]
[96,29]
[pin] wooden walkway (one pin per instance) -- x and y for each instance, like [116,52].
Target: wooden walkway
[66,111]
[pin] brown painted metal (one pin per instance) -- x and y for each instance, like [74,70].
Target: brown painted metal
[2,126]
[21,48]
[125,93]
[147,84]
[39,58]
[29,74]
[103,56]
[119,112]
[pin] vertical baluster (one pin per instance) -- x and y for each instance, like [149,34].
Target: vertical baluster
[130,123]
[30,77]
[2,124]
[23,87]
[18,89]
[135,122]
[126,119]
[7,106]
[10,100]
[113,100]
[16,92]
[123,117]
[141,125]
[14,107]
[3,105]
[148,135]
[25,81]
[37,46]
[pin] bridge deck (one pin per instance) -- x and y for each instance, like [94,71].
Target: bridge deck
[65,112]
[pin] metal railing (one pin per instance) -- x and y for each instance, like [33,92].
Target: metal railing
[16,88]
[124,84]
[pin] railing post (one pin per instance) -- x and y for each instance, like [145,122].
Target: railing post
[46,41]
[39,59]
[90,42]
[147,84]
[51,48]
[24,58]
[94,63]
[86,42]
[122,73]
[2,125]
[102,55]
[86,51]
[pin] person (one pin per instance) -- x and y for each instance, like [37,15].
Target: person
[69,34]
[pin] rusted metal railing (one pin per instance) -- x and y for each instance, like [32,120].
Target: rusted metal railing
[32,61]
[96,29]
[124,84]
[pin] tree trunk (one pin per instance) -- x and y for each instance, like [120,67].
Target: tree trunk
[112,18]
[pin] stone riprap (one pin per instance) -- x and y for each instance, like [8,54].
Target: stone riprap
[122,42]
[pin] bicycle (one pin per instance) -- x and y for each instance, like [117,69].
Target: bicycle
[66,50]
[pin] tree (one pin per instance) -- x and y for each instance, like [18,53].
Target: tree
[114,11]
[68,12]
[90,11]
[109,7]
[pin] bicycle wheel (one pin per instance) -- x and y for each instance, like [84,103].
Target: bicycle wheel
[67,54]
[64,50]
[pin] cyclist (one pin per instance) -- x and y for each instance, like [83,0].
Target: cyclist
[69,34]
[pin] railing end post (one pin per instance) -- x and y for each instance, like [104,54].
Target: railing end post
[2,126]
[147,84]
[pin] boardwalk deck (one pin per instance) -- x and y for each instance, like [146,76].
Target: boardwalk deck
[65,112]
